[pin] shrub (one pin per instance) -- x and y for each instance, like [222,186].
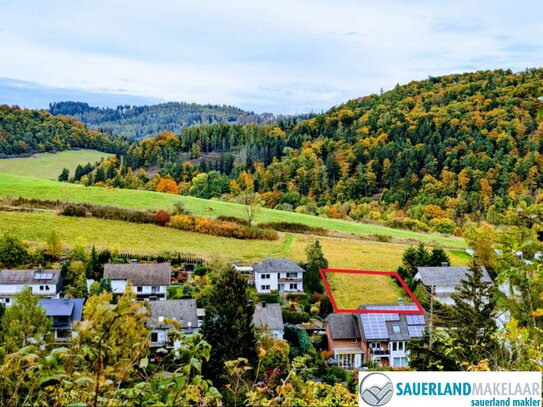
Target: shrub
[270,298]
[162,218]
[74,210]
[219,228]
[443,225]
[234,219]
[293,227]
[407,223]
[295,317]
[127,215]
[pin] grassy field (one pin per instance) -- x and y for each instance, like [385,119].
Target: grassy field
[137,238]
[15,186]
[49,165]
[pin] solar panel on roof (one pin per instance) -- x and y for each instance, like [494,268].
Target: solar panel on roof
[415,319]
[415,330]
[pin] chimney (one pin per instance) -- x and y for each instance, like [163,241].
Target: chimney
[263,304]
[444,264]
[400,301]
[39,268]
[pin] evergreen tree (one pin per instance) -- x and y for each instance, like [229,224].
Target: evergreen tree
[228,323]
[438,257]
[472,322]
[419,256]
[315,262]
[94,269]
[64,175]
[25,322]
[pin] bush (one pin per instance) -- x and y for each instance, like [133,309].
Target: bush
[408,223]
[233,219]
[162,218]
[127,215]
[271,298]
[293,227]
[294,317]
[219,228]
[74,210]
[443,225]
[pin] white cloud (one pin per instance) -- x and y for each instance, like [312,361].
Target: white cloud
[285,56]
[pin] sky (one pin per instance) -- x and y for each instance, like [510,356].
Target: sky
[280,56]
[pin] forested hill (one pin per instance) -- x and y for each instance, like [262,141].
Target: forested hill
[142,121]
[26,131]
[432,150]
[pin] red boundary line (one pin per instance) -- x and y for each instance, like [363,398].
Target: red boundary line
[420,310]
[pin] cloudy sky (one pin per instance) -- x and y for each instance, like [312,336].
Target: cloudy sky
[281,56]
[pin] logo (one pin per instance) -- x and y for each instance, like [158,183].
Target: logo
[376,389]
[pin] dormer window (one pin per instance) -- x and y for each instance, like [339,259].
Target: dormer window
[396,328]
[139,289]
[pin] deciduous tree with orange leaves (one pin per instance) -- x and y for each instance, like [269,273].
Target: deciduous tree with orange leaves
[168,186]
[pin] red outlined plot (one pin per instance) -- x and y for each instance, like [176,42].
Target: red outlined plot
[394,274]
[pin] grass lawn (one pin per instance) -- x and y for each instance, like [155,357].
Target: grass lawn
[15,186]
[350,290]
[48,165]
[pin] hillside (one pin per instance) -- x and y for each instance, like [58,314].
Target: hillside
[142,121]
[425,155]
[24,132]
[19,186]
[49,165]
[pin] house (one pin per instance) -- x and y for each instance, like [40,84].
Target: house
[46,283]
[269,316]
[281,275]
[162,317]
[149,281]
[247,271]
[64,312]
[445,280]
[385,336]
[343,334]
[381,338]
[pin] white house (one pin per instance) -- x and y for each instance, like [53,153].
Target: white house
[269,316]
[445,280]
[149,281]
[64,312]
[385,336]
[45,283]
[166,315]
[281,275]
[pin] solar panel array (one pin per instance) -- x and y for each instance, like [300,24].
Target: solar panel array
[415,331]
[43,276]
[375,325]
[415,319]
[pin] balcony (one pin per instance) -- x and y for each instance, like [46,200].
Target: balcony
[380,352]
[290,280]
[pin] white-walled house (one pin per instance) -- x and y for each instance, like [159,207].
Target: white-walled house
[64,312]
[445,280]
[281,275]
[149,281]
[269,316]
[45,283]
[164,315]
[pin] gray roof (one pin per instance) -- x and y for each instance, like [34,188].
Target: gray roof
[343,326]
[269,315]
[67,307]
[393,326]
[183,311]
[446,276]
[21,277]
[153,274]
[277,266]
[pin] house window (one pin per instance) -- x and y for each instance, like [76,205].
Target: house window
[154,336]
[46,288]
[292,275]
[139,289]
[155,289]
[346,361]
[41,287]
[266,276]
[400,362]
[7,300]
[293,286]
[396,329]
[394,346]
[375,345]
[264,287]
[398,346]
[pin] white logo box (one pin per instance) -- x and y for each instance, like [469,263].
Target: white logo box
[444,389]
